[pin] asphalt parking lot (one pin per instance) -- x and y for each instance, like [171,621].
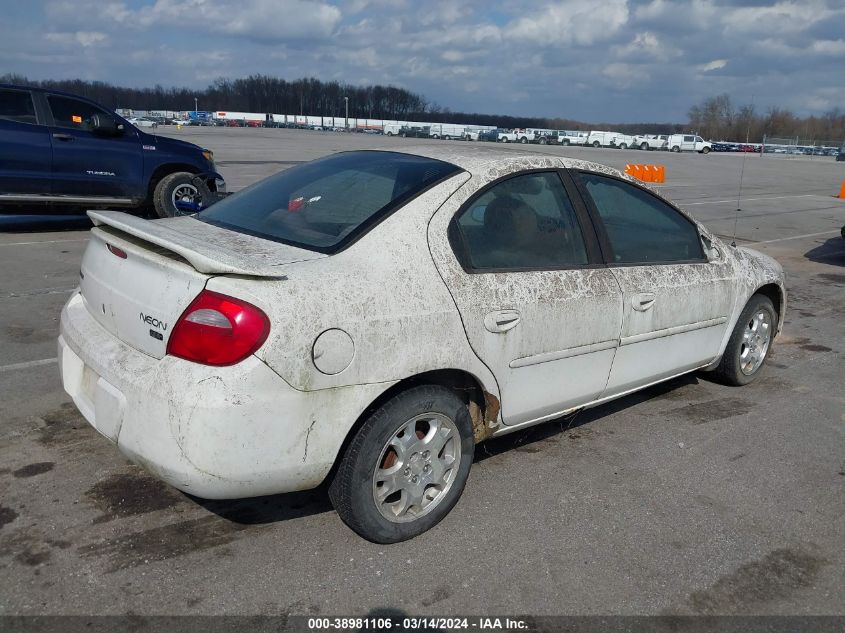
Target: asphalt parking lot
[687,498]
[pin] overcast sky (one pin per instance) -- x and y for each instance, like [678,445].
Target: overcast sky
[592,60]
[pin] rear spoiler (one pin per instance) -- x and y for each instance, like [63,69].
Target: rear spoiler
[204,247]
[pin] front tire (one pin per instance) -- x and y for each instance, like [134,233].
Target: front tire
[596,144]
[406,467]
[178,188]
[705,150]
[750,342]
[644,146]
[676,149]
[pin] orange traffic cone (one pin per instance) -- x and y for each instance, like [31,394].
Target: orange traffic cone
[842,190]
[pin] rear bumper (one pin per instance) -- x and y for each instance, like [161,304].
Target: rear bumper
[214,432]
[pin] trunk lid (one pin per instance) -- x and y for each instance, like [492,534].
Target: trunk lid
[139,297]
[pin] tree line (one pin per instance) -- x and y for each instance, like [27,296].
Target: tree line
[715,118]
[719,119]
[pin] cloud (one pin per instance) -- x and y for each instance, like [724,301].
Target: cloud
[578,21]
[85,39]
[625,75]
[261,20]
[615,60]
[716,64]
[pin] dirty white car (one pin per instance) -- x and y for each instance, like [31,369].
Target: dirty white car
[369,317]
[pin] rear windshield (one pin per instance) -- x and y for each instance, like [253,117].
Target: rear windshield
[328,203]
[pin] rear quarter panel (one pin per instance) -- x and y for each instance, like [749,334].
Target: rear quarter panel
[384,291]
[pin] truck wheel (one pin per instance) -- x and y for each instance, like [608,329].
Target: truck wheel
[644,146]
[675,148]
[623,146]
[406,467]
[596,144]
[504,140]
[705,150]
[180,193]
[566,141]
[523,140]
[750,342]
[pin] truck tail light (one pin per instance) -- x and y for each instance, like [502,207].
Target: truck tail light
[218,330]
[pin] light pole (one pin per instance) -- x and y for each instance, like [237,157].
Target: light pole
[196,109]
[346,105]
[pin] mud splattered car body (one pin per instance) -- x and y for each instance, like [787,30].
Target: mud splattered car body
[500,278]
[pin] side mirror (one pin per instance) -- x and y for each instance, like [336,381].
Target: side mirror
[105,125]
[710,249]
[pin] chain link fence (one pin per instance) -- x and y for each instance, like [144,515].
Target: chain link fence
[801,147]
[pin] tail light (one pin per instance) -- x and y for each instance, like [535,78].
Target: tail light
[218,330]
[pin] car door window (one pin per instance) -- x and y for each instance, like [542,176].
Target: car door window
[16,105]
[641,228]
[525,222]
[73,113]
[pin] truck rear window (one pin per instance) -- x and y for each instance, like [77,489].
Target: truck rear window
[328,203]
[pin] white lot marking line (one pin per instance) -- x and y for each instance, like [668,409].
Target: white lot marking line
[689,204]
[796,237]
[28,364]
[41,242]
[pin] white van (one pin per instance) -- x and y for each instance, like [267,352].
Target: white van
[448,131]
[391,129]
[602,139]
[688,143]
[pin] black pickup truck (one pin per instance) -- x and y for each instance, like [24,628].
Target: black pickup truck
[61,152]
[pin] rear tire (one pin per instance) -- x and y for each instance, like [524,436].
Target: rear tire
[180,185]
[596,144]
[384,456]
[623,146]
[676,149]
[644,146]
[750,343]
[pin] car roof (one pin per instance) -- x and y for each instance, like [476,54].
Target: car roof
[479,158]
[494,161]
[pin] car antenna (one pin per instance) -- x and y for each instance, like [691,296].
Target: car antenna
[739,197]
[741,175]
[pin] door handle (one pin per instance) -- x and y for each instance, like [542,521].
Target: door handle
[62,137]
[501,321]
[642,301]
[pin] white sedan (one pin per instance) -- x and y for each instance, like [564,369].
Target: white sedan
[142,122]
[371,316]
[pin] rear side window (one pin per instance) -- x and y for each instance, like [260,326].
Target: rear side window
[327,203]
[641,228]
[72,113]
[523,223]
[16,105]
